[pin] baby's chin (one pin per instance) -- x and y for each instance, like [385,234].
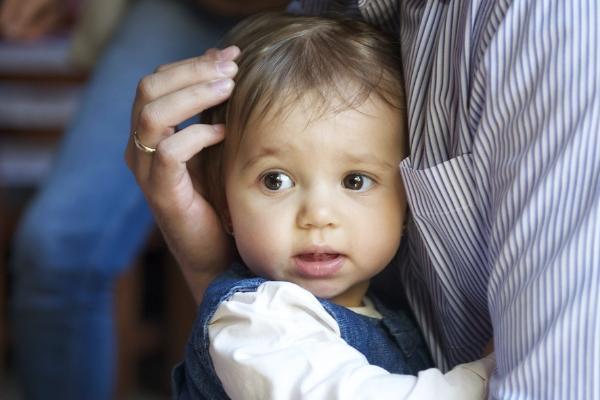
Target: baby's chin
[329,289]
[324,289]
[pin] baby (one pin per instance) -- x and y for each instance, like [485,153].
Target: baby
[307,183]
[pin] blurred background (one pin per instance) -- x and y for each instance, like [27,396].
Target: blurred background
[43,79]
[92,306]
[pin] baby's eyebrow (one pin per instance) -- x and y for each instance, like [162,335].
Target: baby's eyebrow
[352,158]
[265,151]
[366,158]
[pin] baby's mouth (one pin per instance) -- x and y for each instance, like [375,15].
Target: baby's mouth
[315,257]
[318,265]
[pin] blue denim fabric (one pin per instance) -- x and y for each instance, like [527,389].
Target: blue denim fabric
[90,219]
[393,343]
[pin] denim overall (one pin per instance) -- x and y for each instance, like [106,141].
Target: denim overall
[393,342]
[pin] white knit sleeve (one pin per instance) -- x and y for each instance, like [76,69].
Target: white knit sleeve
[280,343]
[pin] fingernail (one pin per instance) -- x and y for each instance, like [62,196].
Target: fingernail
[227,68]
[229,53]
[223,85]
[219,128]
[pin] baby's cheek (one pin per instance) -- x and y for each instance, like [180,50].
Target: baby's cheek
[383,238]
[248,246]
[259,250]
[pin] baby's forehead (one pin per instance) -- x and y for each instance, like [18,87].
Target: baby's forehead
[311,106]
[334,117]
[290,111]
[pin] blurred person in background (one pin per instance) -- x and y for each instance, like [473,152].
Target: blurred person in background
[89,219]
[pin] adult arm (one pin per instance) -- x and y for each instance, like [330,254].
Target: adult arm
[280,343]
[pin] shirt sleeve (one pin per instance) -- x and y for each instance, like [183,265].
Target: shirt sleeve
[540,119]
[280,343]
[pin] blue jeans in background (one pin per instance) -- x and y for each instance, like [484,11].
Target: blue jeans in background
[89,220]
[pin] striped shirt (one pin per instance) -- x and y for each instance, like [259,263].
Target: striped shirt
[503,182]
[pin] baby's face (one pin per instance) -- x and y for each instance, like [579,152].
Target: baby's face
[321,205]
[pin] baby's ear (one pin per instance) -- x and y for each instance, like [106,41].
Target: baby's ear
[226,220]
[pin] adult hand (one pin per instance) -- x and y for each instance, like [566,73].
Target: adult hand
[171,95]
[30,19]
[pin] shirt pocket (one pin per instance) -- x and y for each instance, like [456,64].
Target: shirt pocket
[448,241]
[444,188]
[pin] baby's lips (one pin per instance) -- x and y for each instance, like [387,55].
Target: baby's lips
[318,265]
[314,257]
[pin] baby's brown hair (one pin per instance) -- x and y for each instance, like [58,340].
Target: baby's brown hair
[338,62]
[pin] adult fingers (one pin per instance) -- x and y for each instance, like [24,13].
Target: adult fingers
[191,72]
[169,164]
[157,118]
[175,93]
[199,70]
[227,54]
[172,151]
[167,173]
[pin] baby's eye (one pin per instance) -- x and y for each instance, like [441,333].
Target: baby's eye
[357,182]
[277,181]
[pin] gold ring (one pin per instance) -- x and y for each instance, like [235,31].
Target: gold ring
[140,145]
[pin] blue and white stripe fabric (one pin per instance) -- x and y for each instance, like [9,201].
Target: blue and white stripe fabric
[503,182]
